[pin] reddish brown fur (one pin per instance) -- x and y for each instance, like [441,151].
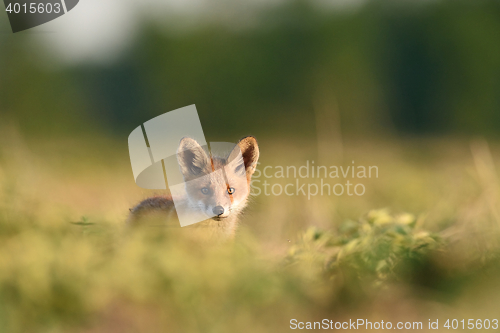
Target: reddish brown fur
[160,209]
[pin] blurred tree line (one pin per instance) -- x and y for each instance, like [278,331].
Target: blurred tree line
[414,68]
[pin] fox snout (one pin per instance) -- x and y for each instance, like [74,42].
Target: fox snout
[221,212]
[218,211]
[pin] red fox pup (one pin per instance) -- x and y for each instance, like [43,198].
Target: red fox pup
[216,188]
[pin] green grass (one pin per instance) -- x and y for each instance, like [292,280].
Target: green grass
[67,263]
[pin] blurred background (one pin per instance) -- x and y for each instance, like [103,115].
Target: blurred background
[412,87]
[411,68]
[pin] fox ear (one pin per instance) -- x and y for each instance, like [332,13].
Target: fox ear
[192,159]
[249,152]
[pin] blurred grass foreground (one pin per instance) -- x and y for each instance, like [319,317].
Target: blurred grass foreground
[59,274]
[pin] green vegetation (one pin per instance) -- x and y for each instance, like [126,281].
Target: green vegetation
[377,248]
[61,273]
[409,68]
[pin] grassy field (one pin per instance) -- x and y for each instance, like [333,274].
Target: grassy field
[422,243]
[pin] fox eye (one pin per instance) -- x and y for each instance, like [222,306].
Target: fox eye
[231,190]
[205,190]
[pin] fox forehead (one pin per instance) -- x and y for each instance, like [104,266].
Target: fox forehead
[218,163]
[218,179]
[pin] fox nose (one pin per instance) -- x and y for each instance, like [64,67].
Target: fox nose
[218,210]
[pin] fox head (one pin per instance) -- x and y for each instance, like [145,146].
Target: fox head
[218,186]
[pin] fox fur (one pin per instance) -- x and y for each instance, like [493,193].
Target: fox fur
[222,195]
